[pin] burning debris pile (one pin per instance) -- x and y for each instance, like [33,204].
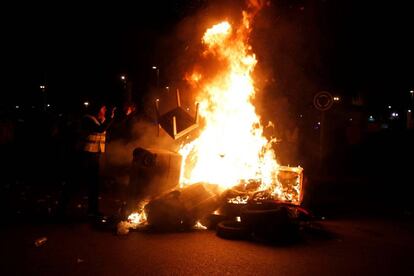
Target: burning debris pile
[238,212]
[229,176]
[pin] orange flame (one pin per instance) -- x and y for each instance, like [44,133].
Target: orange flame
[231,148]
[138,218]
[193,79]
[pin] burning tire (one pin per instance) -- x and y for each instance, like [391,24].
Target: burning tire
[232,230]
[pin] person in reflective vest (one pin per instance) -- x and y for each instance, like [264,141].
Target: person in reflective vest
[92,145]
[95,136]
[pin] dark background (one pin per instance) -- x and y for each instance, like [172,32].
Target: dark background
[344,46]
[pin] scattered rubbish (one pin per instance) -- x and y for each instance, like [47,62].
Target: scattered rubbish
[40,241]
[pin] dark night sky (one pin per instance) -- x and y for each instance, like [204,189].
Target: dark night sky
[78,48]
[374,49]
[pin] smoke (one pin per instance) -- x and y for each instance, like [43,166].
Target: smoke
[254,6]
[142,134]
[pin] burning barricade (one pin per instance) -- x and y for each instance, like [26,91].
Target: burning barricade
[229,178]
[237,213]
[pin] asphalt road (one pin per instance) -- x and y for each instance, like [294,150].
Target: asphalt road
[353,247]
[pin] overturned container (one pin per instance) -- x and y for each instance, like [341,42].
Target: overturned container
[153,172]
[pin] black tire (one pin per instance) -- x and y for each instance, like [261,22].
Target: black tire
[232,209]
[271,224]
[232,230]
[262,218]
[212,220]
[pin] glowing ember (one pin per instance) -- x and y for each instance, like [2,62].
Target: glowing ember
[231,148]
[138,218]
[239,200]
[199,226]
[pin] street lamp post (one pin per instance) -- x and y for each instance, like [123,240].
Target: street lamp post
[126,91]
[124,81]
[44,95]
[158,75]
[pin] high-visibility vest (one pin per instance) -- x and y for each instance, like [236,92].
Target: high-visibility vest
[95,141]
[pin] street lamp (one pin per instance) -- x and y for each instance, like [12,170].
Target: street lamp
[44,94]
[158,74]
[124,81]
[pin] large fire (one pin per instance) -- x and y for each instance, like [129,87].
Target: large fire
[231,148]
